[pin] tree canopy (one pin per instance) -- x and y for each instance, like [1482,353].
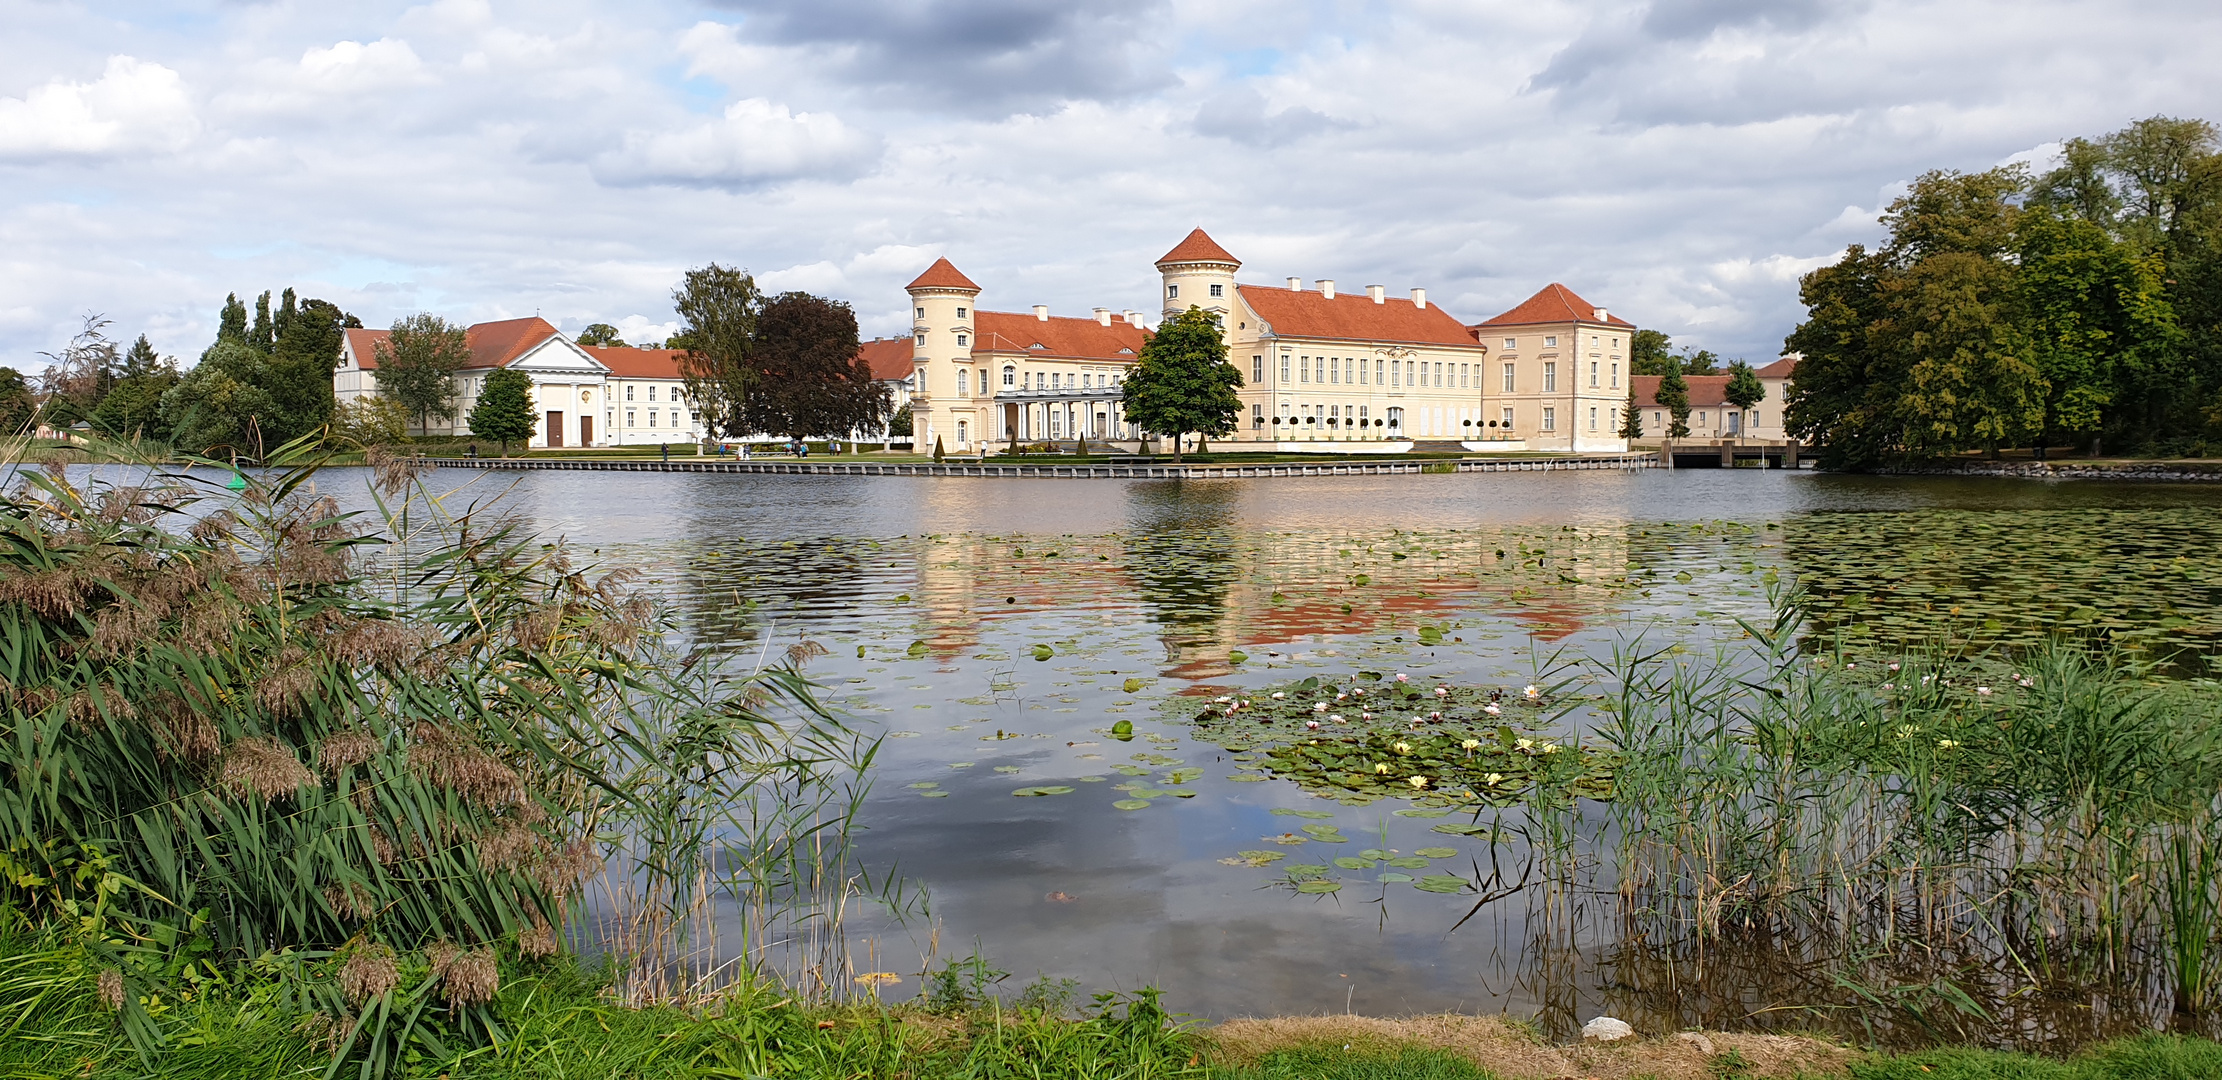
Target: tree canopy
[2082,306]
[806,375]
[601,334]
[1744,389]
[504,410]
[718,306]
[1674,395]
[1183,382]
[417,364]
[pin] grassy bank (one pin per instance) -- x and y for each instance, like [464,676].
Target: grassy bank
[552,1019]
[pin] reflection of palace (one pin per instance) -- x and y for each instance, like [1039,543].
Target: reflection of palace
[1341,372]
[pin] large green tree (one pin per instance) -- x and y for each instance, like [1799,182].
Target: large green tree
[1183,382]
[1744,389]
[133,406]
[1649,352]
[600,334]
[18,405]
[304,350]
[806,376]
[1631,418]
[504,410]
[718,306]
[220,407]
[417,364]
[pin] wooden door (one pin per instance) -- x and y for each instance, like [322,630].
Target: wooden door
[555,429]
[586,430]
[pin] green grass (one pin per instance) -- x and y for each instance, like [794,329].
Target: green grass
[1334,1063]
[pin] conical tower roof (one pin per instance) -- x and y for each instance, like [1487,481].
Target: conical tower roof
[943,274]
[1199,248]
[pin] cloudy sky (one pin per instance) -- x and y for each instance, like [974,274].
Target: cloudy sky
[1679,161]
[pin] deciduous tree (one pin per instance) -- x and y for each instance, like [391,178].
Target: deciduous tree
[1183,382]
[417,364]
[1744,389]
[1674,396]
[1648,352]
[806,376]
[718,306]
[18,405]
[600,334]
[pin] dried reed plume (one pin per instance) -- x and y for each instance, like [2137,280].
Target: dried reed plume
[370,970]
[261,766]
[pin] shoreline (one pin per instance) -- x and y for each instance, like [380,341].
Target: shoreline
[1200,471]
[2193,471]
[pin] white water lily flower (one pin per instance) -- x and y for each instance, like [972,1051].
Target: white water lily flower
[1382,769]
[1492,709]
[1319,707]
[1336,719]
[1277,695]
[1549,748]
[1525,744]
[1360,692]
[1983,690]
[1339,697]
[1533,691]
[1404,748]
[1418,781]
[1471,744]
[1492,779]
[1442,691]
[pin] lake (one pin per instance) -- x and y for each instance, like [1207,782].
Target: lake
[995,631]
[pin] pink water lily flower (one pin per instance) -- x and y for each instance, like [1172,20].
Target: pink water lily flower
[1312,724]
[1400,677]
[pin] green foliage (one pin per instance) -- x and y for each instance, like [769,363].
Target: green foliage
[2080,306]
[1649,352]
[900,423]
[1631,418]
[1183,382]
[304,350]
[417,365]
[1674,395]
[220,407]
[805,374]
[718,307]
[1744,388]
[17,404]
[372,420]
[504,410]
[600,334]
[1333,1061]
[132,407]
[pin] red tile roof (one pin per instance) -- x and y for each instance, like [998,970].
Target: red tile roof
[1555,304]
[890,357]
[1705,390]
[1780,369]
[1060,336]
[943,274]
[1198,247]
[492,344]
[626,362]
[1353,316]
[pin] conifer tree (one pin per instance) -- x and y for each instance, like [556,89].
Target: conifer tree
[504,411]
[1674,394]
[1631,418]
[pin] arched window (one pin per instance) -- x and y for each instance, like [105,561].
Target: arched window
[1010,376]
[962,429]
[961,390]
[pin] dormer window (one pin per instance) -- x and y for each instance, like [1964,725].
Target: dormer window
[1126,350]
[1037,345]
[1172,292]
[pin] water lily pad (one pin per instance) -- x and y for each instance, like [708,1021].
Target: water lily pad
[1396,877]
[923,785]
[1285,811]
[1132,804]
[1408,862]
[1123,730]
[917,649]
[1183,776]
[1006,768]
[1322,886]
[1089,779]
[1436,852]
[1349,863]
[1132,686]
[936,794]
[1261,858]
[1326,834]
[1249,778]
[1028,792]
[1461,828]
[1422,813]
[1043,652]
[1237,656]
[1441,883]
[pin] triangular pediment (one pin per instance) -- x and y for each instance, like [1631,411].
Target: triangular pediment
[558,354]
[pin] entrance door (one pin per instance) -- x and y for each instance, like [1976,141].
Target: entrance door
[586,431]
[555,429]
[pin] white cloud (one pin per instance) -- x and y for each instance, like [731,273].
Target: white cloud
[135,106]
[756,142]
[353,67]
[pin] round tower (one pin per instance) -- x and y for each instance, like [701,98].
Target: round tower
[943,309]
[1198,273]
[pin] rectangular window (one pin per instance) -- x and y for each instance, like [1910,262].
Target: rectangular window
[1593,373]
[1257,369]
[1512,344]
[1378,368]
[1616,375]
[1304,369]
[1438,374]
[1218,290]
[1505,420]
[1550,341]
[1550,418]
[628,391]
[1655,416]
[1284,367]
[1466,375]
[1592,341]
[921,313]
[1257,417]
[651,418]
[962,380]
[964,340]
[1361,371]
[1334,370]
[631,419]
[1593,418]
[1508,378]
[921,337]
[960,313]
[1550,378]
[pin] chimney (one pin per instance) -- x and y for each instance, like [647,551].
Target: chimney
[1603,315]
[1296,284]
[1132,317]
[1419,299]
[1327,287]
[1103,316]
[1041,312]
[1379,293]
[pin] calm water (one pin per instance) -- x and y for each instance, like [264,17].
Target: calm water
[932,596]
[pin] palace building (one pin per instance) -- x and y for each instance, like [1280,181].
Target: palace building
[1326,371]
